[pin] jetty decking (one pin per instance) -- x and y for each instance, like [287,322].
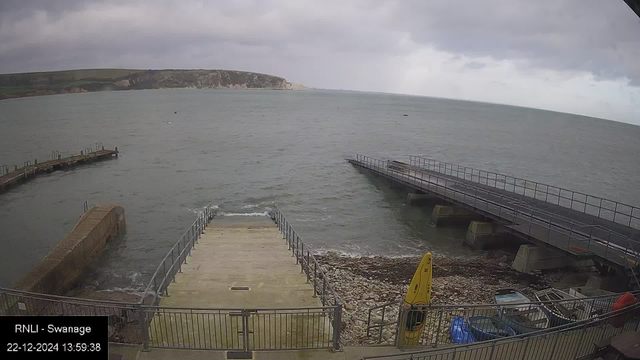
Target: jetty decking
[608,235]
[29,170]
[241,253]
[243,289]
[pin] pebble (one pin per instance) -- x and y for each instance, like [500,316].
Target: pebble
[366,282]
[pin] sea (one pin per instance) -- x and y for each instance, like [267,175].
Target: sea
[245,151]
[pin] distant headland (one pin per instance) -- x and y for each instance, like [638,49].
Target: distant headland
[89,80]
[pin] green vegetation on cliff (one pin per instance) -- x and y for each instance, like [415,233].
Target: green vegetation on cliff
[74,81]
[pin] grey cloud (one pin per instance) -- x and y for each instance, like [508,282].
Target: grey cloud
[474,65]
[294,37]
[596,36]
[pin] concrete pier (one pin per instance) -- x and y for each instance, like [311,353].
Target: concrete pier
[239,252]
[572,223]
[484,235]
[531,258]
[243,282]
[452,215]
[62,267]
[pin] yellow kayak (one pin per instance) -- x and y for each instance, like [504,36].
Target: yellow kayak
[419,293]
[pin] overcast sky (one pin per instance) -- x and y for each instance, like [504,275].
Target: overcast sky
[578,56]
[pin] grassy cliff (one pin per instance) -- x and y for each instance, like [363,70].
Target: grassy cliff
[87,80]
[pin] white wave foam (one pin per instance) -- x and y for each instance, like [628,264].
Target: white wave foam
[134,276]
[250,206]
[128,290]
[222,213]
[341,253]
[199,210]
[355,255]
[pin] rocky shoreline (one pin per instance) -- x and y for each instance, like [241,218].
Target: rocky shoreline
[366,282]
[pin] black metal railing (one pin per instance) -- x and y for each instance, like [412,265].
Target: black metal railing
[312,269]
[233,329]
[241,329]
[171,264]
[572,237]
[125,319]
[615,211]
[438,318]
[572,341]
[190,328]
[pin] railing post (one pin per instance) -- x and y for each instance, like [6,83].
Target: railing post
[180,258]
[315,275]
[302,259]
[493,348]
[402,320]
[164,271]
[143,328]
[381,325]
[324,291]
[308,266]
[570,233]
[337,327]
[439,327]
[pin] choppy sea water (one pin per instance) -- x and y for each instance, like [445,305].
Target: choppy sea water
[244,151]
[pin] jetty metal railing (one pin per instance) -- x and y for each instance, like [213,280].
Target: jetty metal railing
[233,329]
[578,201]
[584,241]
[312,269]
[307,261]
[241,330]
[437,318]
[569,342]
[124,318]
[189,328]
[612,210]
[171,264]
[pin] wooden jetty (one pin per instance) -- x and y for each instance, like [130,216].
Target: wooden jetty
[29,170]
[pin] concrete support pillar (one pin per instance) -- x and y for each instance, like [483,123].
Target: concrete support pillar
[613,283]
[452,215]
[484,235]
[532,258]
[421,199]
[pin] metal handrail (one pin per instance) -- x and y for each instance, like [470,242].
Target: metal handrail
[545,333]
[476,308]
[540,212]
[469,173]
[60,298]
[298,247]
[184,245]
[420,163]
[471,198]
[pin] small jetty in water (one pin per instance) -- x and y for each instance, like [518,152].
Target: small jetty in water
[10,178]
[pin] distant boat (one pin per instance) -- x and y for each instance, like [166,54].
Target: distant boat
[563,312]
[518,312]
[489,328]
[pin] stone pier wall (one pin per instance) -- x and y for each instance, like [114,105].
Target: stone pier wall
[62,267]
